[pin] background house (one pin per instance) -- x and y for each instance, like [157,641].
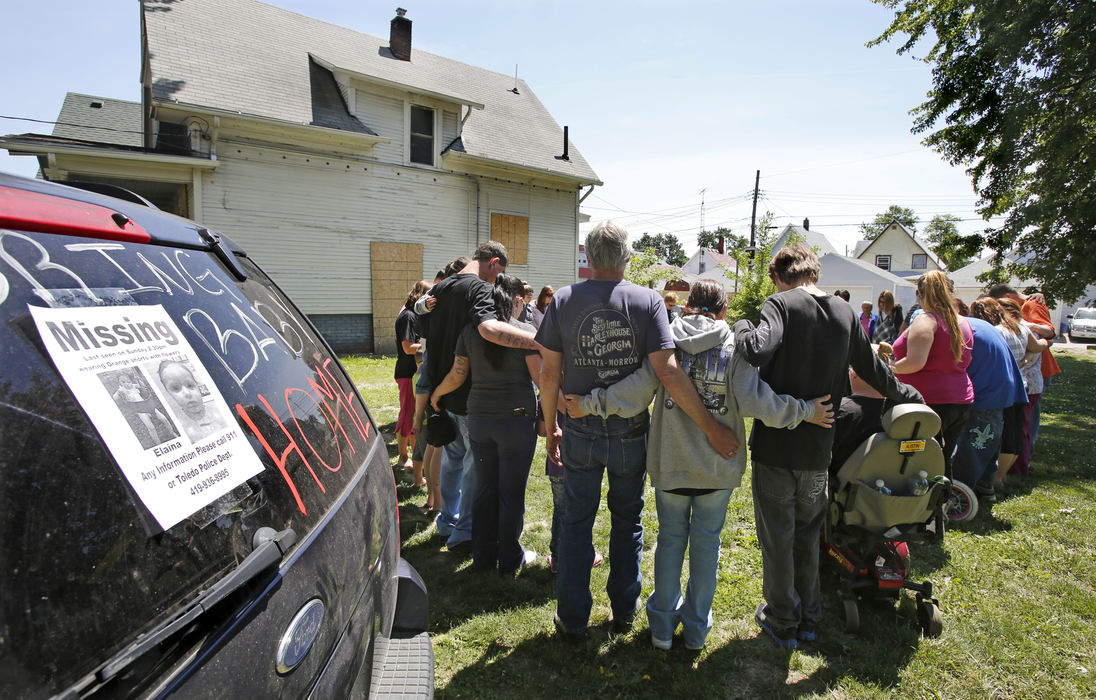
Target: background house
[897,250]
[351,165]
[864,281]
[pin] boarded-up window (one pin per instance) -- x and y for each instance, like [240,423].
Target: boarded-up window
[512,232]
[396,267]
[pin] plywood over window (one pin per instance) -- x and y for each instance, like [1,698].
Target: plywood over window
[513,232]
[396,267]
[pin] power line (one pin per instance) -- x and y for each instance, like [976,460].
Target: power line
[79,126]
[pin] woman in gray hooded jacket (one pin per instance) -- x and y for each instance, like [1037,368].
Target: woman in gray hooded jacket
[693,483]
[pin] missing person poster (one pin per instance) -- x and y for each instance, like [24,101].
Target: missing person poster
[152,401]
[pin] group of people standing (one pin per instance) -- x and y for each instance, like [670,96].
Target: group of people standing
[602,349]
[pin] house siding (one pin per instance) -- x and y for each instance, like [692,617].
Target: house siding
[450,128]
[309,219]
[553,229]
[895,243]
[384,114]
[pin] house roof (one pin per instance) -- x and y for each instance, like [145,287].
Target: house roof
[813,239]
[859,248]
[248,57]
[837,258]
[723,259]
[100,120]
[932,256]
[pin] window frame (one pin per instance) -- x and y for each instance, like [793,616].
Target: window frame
[412,135]
[924,261]
[883,258]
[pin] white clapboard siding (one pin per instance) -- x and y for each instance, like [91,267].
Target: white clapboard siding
[449,128]
[385,115]
[552,229]
[309,219]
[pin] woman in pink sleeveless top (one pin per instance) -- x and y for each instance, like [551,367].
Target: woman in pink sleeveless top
[932,356]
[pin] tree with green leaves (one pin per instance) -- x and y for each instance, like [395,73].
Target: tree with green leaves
[665,244]
[753,285]
[731,241]
[1013,98]
[644,270]
[903,215]
[955,249]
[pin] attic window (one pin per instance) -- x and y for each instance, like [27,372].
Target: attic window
[422,135]
[96,105]
[920,261]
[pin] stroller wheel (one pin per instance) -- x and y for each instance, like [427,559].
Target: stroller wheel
[852,615]
[928,616]
[962,503]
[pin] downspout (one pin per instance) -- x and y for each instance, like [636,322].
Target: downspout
[579,204]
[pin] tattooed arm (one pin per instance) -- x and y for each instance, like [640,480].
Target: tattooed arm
[456,377]
[502,333]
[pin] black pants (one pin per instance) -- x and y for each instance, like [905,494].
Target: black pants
[953,418]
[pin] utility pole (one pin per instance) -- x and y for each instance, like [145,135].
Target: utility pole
[753,217]
[702,191]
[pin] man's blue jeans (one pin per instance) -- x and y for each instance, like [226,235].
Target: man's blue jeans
[976,450]
[458,477]
[695,521]
[591,446]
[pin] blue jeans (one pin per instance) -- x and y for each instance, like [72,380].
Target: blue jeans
[503,449]
[559,508]
[976,450]
[591,446]
[696,521]
[458,477]
[790,508]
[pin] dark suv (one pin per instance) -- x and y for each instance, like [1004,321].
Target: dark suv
[195,499]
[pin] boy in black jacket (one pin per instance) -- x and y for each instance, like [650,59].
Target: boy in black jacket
[803,346]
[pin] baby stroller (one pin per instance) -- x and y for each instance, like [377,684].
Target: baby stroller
[868,531]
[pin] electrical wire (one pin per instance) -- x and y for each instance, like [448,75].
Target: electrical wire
[79,126]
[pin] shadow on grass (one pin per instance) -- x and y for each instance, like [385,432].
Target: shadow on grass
[611,665]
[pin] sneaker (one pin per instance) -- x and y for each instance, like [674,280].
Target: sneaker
[597,559]
[782,638]
[552,565]
[694,647]
[623,625]
[807,632]
[988,496]
[663,644]
[459,547]
[567,634]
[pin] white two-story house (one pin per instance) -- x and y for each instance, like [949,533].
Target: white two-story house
[349,165]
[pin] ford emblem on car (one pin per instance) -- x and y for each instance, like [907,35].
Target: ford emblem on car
[299,636]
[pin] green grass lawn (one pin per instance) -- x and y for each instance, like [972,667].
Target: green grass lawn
[1017,587]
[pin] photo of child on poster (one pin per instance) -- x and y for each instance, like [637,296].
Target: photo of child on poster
[139,406]
[193,410]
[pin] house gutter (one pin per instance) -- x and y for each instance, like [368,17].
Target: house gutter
[19,147]
[369,139]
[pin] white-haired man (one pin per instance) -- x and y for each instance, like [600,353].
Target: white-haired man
[595,333]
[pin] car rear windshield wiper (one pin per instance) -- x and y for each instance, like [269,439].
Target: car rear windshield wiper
[270,551]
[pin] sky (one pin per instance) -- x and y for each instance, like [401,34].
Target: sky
[676,107]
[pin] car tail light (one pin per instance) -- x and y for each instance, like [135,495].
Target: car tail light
[34,211]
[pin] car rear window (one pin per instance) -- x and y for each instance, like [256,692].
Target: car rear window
[90,558]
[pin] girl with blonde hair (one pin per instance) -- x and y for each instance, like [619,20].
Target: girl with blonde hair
[933,355]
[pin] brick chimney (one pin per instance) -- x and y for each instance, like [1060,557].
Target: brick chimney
[399,40]
[806,223]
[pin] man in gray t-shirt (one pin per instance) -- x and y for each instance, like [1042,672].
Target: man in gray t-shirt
[594,334]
